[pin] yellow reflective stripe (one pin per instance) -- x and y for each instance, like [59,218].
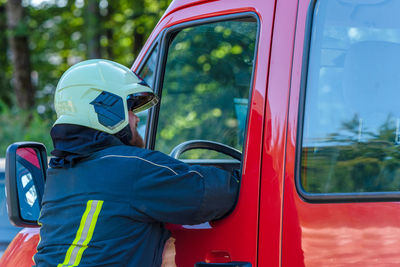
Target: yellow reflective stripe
[84,234]
[78,235]
[90,233]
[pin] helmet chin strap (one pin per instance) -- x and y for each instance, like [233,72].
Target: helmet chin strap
[125,135]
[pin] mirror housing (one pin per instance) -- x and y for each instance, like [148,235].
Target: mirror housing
[26,165]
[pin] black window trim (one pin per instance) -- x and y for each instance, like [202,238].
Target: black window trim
[324,197]
[164,40]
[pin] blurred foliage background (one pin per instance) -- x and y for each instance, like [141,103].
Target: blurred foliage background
[206,86]
[39,40]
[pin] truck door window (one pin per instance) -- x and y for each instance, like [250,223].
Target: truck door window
[147,73]
[351,120]
[205,92]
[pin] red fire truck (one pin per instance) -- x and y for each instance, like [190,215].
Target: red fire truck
[306,90]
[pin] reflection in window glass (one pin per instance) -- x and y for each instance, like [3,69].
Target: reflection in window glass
[27,194]
[147,74]
[148,70]
[351,128]
[31,196]
[206,86]
[26,178]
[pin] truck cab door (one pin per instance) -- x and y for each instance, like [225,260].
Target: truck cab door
[210,75]
[341,187]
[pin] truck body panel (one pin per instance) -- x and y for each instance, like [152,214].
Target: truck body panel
[274,223]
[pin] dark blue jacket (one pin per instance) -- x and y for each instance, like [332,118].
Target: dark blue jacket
[108,208]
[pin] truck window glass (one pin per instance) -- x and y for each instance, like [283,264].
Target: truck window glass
[147,73]
[206,86]
[351,124]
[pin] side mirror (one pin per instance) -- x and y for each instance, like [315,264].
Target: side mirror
[26,165]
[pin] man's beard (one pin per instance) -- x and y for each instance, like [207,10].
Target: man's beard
[137,140]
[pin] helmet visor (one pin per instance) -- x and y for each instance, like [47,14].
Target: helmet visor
[141,101]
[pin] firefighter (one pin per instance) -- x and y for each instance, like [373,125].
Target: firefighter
[107,198]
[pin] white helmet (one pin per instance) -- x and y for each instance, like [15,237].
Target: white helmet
[98,94]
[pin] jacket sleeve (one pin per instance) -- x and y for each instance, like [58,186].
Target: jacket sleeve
[171,191]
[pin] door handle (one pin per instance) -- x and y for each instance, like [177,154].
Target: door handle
[228,264]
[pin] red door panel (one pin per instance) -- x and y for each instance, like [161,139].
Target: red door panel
[275,126]
[21,250]
[331,234]
[235,237]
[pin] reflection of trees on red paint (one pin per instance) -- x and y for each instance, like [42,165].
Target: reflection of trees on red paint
[346,164]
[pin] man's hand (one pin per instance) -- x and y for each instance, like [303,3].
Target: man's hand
[168,257]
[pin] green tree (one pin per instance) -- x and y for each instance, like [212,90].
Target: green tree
[60,34]
[93,28]
[20,54]
[5,68]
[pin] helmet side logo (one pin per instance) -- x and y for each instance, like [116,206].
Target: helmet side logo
[110,109]
[65,107]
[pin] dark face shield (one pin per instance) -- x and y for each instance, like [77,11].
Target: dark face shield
[141,101]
